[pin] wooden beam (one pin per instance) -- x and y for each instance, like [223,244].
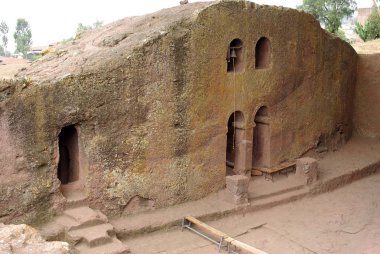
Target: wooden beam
[276,168]
[246,247]
[205,226]
[229,240]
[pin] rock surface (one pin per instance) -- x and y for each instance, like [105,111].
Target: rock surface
[150,98]
[237,189]
[367,96]
[307,170]
[23,239]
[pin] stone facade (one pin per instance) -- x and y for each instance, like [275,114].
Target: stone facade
[367,96]
[147,104]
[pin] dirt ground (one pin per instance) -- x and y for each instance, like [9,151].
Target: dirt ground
[368,47]
[346,221]
[8,71]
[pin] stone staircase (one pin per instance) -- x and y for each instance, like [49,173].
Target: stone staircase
[88,230]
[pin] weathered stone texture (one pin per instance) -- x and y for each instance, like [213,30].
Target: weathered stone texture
[237,189]
[308,88]
[150,97]
[307,170]
[367,96]
[23,239]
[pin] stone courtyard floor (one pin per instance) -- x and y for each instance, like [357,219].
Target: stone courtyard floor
[340,213]
[345,221]
[282,216]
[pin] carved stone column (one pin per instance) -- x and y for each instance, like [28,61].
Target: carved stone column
[243,149]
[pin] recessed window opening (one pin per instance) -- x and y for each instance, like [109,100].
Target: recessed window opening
[68,165]
[235,56]
[263,53]
[232,139]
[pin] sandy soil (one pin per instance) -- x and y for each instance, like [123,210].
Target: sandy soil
[368,47]
[9,66]
[346,221]
[8,71]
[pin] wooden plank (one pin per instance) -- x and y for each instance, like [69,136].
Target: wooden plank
[205,226]
[277,168]
[226,238]
[246,247]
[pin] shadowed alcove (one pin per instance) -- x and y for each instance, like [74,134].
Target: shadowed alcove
[235,56]
[263,53]
[68,165]
[233,139]
[261,139]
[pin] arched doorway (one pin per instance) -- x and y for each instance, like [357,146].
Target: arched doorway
[261,139]
[68,164]
[234,137]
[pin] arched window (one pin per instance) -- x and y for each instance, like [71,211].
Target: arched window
[235,56]
[232,140]
[263,53]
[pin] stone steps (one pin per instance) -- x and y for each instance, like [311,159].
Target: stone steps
[76,200]
[114,247]
[74,195]
[90,232]
[86,229]
[85,217]
[95,235]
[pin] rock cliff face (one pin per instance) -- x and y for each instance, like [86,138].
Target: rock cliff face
[150,101]
[25,239]
[367,96]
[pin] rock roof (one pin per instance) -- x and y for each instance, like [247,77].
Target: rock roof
[98,48]
[107,46]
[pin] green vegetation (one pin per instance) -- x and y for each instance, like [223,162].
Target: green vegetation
[329,12]
[66,41]
[4,39]
[340,33]
[34,57]
[81,28]
[27,81]
[22,36]
[371,29]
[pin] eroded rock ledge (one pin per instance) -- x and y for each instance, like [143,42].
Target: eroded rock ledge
[22,238]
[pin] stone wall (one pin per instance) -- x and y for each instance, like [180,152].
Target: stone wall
[150,98]
[367,96]
[27,177]
[307,89]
